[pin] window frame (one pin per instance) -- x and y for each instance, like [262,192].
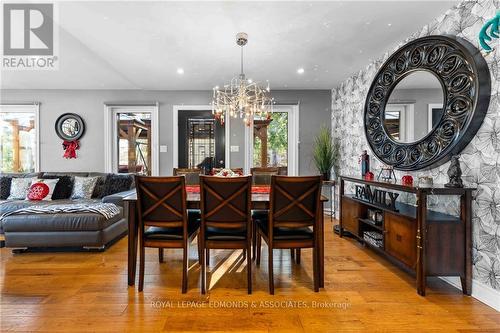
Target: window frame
[27,108]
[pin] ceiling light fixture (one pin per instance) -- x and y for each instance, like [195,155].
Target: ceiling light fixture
[300,70]
[242,98]
[180,71]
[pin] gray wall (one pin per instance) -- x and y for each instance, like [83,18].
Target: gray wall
[314,111]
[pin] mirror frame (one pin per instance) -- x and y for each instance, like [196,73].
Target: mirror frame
[60,121]
[465,78]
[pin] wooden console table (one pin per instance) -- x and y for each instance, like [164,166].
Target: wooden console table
[418,240]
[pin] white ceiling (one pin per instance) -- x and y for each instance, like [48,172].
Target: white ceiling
[140,45]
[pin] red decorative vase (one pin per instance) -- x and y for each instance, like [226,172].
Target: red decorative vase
[369,175]
[407,180]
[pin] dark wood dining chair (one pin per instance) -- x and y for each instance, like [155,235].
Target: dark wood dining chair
[226,221]
[262,176]
[293,220]
[192,175]
[164,221]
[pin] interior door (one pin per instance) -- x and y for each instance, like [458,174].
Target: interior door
[201,140]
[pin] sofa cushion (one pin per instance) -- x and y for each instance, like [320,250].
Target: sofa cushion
[58,222]
[64,186]
[5,187]
[99,186]
[42,189]
[83,187]
[19,188]
[116,183]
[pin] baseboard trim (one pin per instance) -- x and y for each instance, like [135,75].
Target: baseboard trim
[480,291]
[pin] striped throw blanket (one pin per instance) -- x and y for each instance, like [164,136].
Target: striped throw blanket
[108,210]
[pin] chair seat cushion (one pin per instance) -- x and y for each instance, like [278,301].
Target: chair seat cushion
[165,233]
[224,234]
[281,233]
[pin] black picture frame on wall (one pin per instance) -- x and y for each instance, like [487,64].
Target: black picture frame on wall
[70,127]
[465,80]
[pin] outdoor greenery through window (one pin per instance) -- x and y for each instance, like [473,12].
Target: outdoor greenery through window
[17,142]
[270,141]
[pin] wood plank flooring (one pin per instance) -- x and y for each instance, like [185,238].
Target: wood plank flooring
[88,292]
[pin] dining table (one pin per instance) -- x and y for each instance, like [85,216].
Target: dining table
[260,201]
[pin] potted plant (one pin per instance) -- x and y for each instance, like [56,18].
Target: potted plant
[326,153]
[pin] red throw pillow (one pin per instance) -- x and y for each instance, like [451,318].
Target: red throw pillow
[41,189]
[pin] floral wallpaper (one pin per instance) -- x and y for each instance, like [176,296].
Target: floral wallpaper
[480,160]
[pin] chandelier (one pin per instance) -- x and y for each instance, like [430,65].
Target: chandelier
[242,97]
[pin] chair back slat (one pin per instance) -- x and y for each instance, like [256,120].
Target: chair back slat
[192,175]
[294,201]
[161,201]
[225,202]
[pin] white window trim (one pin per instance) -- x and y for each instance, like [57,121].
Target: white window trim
[175,132]
[429,114]
[110,133]
[293,111]
[28,108]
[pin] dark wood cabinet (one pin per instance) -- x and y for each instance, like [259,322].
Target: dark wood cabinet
[419,240]
[400,239]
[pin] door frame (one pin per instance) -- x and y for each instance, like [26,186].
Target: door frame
[293,111]
[406,120]
[110,109]
[175,132]
[430,108]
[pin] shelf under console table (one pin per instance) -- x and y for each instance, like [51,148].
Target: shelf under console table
[418,240]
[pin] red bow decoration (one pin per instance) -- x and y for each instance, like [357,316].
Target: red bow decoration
[70,148]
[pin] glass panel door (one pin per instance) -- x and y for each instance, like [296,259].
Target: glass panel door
[270,141]
[201,141]
[133,142]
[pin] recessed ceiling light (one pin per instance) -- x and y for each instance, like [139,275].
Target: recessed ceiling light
[180,71]
[300,70]
[389,24]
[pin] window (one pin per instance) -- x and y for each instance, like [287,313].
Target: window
[19,138]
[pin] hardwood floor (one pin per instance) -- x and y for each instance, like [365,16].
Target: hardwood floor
[87,292]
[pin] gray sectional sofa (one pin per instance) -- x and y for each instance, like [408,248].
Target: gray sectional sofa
[87,230]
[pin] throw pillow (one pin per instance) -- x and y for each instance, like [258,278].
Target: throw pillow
[64,187]
[19,188]
[99,187]
[5,187]
[83,187]
[42,189]
[116,183]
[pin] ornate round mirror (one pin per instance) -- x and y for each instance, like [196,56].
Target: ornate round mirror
[70,127]
[427,102]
